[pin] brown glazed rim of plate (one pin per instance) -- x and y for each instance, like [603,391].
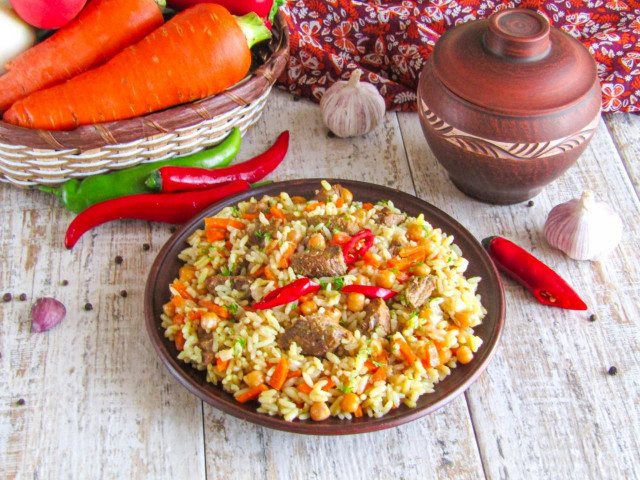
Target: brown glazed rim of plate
[165,269]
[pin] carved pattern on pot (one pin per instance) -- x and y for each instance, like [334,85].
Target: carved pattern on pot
[514,151]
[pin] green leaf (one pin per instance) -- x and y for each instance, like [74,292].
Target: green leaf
[324,285]
[338,282]
[274,9]
[238,346]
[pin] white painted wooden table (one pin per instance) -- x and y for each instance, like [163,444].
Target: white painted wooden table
[90,399]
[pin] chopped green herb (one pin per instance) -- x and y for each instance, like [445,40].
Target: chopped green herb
[338,282]
[377,364]
[395,271]
[225,271]
[449,259]
[260,234]
[346,388]
[233,308]
[235,212]
[336,229]
[238,346]
[383,202]
[323,285]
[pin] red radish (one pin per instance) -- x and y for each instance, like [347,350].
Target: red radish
[48,14]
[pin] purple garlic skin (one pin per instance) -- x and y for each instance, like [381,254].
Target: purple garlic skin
[46,313]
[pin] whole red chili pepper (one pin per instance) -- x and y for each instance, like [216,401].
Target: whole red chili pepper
[351,251]
[156,207]
[545,284]
[177,179]
[369,291]
[287,294]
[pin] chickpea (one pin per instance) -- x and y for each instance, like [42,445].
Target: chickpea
[294,236]
[334,314]
[464,354]
[187,273]
[355,302]
[316,242]
[209,321]
[169,309]
[444,355]
[350,402]
[346,195]
[319,411]
[255,378]
[360,280]
[308,307]
[386,279]
[421,270]
[298,200]
[415,232]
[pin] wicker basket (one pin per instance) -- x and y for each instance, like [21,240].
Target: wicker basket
[31,157]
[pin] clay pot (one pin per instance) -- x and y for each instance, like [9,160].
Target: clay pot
[507,104]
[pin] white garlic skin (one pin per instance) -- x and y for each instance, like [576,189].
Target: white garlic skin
[584,228]
[352,108]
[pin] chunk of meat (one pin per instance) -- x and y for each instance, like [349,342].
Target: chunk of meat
[326,195]
[315,335]
[418,291]
[388,218]
[256,207]
[376,315]
[258,232]
[319,263]
[238,282]
[205,342]
[347,224]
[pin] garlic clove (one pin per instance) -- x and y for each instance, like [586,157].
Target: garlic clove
[46,313]
[584,228]
[351,108]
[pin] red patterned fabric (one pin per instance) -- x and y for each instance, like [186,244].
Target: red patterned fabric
[391,40]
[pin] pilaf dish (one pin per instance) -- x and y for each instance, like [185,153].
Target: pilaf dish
[323,307]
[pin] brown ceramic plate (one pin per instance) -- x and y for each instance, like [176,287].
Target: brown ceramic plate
[165,269]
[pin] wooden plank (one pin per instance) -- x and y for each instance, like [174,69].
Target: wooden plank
[625,130]
[546,408]
[97,402]
[440,446]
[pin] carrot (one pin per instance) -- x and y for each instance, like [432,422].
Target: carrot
[285,259]
[179,339]
[214,234]
[367,206]
[312,206]
[339,202]
[401,264]
[252,393]
[329,384]
[340,238]
[370,259]
[304,388]
[379,375]
[405,351]
[297,373]
[177,301]
[410,251]
[279,374]
[178,319]
[221,365]
[199,52]
[195,314]
[249,216]
[358,412]
[276,212]
[370,366]
[101,29]
[181,288]
[259,272]
[223,223]
[269,274]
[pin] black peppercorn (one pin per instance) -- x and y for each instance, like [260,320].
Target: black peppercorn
[146,247]
[88,306]
[296,98]
[530,203]
[118,259]
[23,297]
[123,294]
[7,297]
[330,134]
[612,370]
[20,402]
[64,283]
[172,229]
[593,317]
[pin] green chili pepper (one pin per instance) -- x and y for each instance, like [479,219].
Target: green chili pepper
[77,195]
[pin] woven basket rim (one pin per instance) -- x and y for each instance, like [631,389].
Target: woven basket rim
[122,132]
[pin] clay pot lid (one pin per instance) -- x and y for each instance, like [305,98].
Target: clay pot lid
[514,64]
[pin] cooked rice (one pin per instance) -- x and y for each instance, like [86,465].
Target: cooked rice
[248,339]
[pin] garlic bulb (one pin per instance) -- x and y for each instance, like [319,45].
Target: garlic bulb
[352,108]
[584,228]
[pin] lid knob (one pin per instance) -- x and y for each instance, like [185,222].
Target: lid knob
[518,34]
